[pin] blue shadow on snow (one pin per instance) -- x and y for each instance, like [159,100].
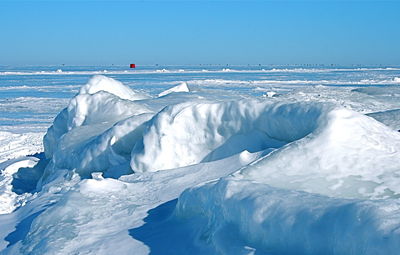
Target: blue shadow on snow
[165,235]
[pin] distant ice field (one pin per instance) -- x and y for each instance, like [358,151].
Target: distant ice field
[31,96]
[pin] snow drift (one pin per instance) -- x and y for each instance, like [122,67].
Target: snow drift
[234,216]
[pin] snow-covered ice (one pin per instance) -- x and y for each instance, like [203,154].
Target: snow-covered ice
[178,160]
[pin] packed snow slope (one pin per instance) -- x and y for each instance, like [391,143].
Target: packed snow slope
[192,172]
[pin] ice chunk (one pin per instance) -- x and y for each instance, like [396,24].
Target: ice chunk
[183,87]
[270,94]
[88,153]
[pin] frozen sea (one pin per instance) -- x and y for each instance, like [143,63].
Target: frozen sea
[31,96]
[201,159]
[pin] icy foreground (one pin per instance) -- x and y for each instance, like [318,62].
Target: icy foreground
[191,173]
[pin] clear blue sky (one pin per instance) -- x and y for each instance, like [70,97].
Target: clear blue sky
[192,32]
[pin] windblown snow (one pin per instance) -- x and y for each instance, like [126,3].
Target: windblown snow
[192,172]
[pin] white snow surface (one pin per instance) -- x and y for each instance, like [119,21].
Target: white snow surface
[200,173]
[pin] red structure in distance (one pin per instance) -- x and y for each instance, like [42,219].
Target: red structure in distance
[132,66]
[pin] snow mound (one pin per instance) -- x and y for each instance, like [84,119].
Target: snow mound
[348,155]
[102,83]
[316,147]
[183,87]
[233,216]
[190,133]
[91,114]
